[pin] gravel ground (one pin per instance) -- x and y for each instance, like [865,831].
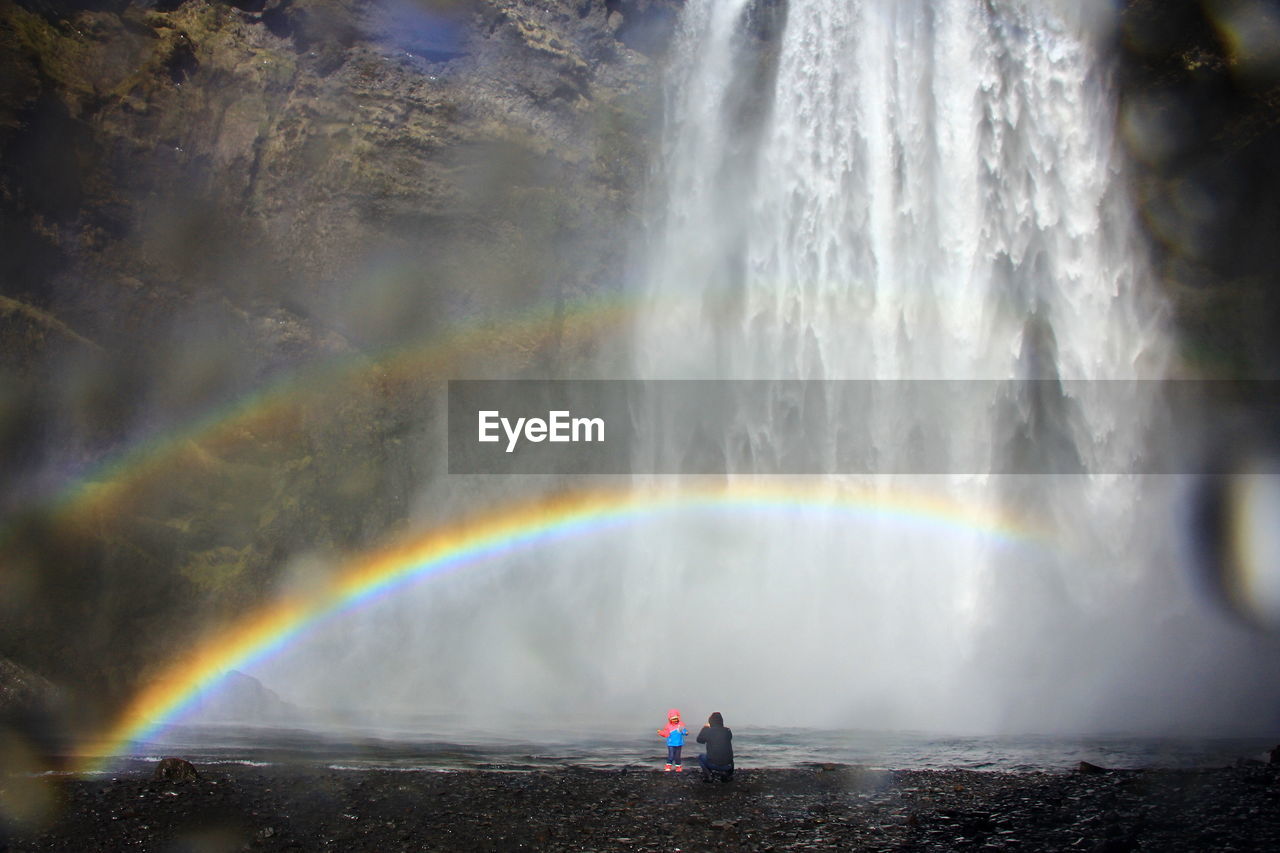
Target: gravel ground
[820,808]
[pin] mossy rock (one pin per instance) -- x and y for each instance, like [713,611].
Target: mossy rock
[217,569]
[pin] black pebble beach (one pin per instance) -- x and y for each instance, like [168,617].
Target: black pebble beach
[817,808]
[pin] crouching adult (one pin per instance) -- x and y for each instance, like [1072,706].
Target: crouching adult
[717,761]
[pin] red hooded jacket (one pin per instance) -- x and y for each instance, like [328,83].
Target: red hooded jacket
[673,732]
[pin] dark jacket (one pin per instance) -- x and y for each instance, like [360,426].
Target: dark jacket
[719,741]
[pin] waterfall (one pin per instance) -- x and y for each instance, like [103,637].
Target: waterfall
[893,191]
[916,190]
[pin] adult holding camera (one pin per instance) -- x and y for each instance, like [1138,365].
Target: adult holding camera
[717,761]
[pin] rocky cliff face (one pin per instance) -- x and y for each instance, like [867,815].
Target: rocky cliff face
[200,200]
[262,159]
[1201,117]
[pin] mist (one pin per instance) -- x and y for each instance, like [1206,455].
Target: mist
[886,191]
[238,291]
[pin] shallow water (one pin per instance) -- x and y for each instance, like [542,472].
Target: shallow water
[362,749]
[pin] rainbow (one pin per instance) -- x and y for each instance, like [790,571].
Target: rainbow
[274,408]
[517,527]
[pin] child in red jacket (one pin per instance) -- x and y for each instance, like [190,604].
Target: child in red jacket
[674,732]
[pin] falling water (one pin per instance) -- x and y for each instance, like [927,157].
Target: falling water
[916,190]
[884,190]
[894,190]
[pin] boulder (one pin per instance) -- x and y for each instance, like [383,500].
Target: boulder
[175,770]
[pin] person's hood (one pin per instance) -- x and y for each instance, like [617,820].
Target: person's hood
[670,726]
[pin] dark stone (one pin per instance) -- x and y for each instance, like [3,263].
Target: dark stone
[1089,769]
[175,770]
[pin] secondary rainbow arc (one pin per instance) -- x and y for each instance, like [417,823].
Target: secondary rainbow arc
[441,356]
